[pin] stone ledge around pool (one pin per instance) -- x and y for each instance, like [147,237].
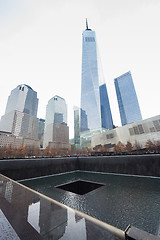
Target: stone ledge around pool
[26,214]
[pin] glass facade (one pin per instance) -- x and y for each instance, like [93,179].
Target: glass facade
[106,115]
[77,127]
[94,99]
[24,99]
[41,125]
[127,99]
[56,115]
[20,117]
[56,111]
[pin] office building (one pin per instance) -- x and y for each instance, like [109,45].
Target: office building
[86,137]
[23,99]
[56,134]
[6,139]
[77,127]
[20,118]
[137,133]
[95,107]
[127,99]
[41,125]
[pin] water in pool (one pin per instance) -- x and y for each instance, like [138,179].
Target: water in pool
[120,201]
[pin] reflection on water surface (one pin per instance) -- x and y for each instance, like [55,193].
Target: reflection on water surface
[124,199]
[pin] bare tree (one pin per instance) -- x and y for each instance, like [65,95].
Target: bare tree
[137,146]
[128,146]
[150,145]
[119,147]
[20,152]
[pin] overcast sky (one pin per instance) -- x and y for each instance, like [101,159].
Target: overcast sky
[41,46]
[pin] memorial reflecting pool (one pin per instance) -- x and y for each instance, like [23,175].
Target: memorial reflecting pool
[119,201]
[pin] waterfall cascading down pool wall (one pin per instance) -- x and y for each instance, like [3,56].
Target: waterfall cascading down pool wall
[144,165]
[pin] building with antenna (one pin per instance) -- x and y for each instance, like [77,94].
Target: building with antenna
[95,107]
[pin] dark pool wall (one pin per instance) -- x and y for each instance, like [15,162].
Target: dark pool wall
[146,165]
[29,168]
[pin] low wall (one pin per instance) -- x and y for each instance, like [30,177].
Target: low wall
[29,168]
[146,165]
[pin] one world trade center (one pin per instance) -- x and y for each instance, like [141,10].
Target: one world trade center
[95,107]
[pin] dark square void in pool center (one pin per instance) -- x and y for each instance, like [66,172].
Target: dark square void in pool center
[80,187]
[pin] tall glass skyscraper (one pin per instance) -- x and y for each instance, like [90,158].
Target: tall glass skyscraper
[127,99]
[24,99]
[20,116]
[76,127]
[95,107]
[56,132]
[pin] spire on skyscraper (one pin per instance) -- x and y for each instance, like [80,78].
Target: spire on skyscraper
[87,25]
